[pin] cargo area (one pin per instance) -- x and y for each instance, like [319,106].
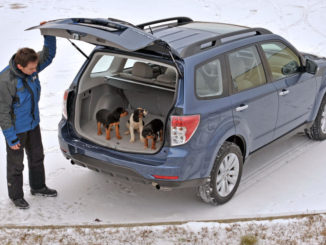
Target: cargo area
[112,81]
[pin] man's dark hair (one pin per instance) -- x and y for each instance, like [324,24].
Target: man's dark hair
[24,56]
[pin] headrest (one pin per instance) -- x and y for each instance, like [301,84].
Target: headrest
[169,76]
[142,70]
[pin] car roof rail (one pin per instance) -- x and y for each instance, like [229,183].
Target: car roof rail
[176,21]
[221,39]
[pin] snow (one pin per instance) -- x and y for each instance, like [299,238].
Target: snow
[283,179]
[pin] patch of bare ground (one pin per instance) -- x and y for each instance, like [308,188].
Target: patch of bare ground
[17,6]
[310,229]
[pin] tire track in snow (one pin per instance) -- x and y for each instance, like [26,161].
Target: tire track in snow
[274,164]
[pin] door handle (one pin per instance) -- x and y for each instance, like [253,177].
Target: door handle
[284,92]
[241,107]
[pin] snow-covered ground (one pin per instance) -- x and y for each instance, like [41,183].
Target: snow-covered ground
[285,178]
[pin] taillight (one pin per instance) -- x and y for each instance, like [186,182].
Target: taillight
[183,128]
[64,105]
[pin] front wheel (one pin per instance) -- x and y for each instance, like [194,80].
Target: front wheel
[318,129]
[225,176]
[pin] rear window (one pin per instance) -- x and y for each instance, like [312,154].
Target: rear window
[209,79]
[132,69]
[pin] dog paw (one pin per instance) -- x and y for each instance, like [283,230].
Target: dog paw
[127,132]
[119,137]
[99,133]
[131,141]
[107,138]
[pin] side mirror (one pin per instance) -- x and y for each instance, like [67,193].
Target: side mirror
[290,68]
[311,66]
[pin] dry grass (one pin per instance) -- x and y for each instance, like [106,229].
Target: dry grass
[294,231]
[248,240]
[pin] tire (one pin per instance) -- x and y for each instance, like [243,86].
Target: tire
[225,175]
[318,129]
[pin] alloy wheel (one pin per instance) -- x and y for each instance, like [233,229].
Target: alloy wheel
[227,174]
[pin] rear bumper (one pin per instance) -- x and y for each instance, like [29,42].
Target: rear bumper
[135,169]
[128,174]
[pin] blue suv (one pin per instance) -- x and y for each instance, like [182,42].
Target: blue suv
[222,92]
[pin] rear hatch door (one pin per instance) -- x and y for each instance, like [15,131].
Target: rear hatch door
[105,32]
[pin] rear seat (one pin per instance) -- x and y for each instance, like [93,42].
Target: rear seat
[168,78]
[144,73]
[140,72]
[156,101]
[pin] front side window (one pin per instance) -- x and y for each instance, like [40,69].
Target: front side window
[282,61]
[209,79]
[246,69]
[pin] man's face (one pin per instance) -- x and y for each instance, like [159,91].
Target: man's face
[29,69]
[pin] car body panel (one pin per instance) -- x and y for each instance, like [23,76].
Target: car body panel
[256,123]
[294,107]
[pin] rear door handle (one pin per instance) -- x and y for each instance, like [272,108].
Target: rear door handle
[284,92]
[241,107]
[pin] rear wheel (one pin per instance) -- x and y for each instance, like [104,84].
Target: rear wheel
[225,176]
[318,129]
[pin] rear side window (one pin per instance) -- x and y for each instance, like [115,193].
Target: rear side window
[246,69]
[281,59]
[209,79]
[130,63]
[103,64]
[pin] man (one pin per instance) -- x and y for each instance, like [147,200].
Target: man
[19,120]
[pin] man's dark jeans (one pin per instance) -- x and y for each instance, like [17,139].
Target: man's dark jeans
[31,141]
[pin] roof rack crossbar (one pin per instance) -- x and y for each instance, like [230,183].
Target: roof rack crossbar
[180,21]
[224,38]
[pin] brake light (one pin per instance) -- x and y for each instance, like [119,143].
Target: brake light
[64,105]
[183,128]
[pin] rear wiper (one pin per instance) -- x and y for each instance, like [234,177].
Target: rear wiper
[81,51]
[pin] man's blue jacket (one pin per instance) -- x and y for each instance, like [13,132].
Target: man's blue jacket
[20,94]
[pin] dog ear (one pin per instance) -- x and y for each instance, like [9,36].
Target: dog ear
[119,110]
[136,115]
[141,113]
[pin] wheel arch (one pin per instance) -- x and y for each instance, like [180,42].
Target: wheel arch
[239,141]
[319,97]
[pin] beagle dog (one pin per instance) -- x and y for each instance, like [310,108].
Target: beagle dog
[136,122]
[109,119]
[151,131]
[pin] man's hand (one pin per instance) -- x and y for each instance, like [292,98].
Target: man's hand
[15,147]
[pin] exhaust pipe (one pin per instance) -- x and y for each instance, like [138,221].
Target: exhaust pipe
[157,186]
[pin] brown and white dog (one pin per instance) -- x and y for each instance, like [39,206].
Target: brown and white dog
[136,122]
[109,119]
